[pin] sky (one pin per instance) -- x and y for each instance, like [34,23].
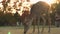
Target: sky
[34,1]
[48,1]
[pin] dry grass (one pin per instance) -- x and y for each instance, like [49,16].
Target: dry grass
[14,30]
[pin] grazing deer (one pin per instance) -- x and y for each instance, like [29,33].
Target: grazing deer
[40,9]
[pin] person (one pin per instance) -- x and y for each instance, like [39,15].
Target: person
[57,20]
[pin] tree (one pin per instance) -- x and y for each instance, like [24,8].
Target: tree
[2,18]
[10,19]
[53,8]
[58,8]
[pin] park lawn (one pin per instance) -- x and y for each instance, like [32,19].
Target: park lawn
[19,30]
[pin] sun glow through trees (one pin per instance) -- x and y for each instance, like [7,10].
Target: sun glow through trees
[26,4]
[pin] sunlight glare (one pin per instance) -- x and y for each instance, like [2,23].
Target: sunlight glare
[0,0]
[47,1]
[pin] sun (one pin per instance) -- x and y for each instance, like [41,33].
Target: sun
[47,1]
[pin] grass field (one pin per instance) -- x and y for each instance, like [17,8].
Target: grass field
[19,30]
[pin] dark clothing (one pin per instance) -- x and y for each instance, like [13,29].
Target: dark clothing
[57,17]
[57,20]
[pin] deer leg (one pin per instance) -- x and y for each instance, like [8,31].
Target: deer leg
[44,20]
[38,24]
[49,20]
[34,22]
[33,29]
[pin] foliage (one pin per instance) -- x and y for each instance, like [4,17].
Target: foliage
[7,19]
[58,8]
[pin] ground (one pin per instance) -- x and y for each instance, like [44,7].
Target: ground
[18,30]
